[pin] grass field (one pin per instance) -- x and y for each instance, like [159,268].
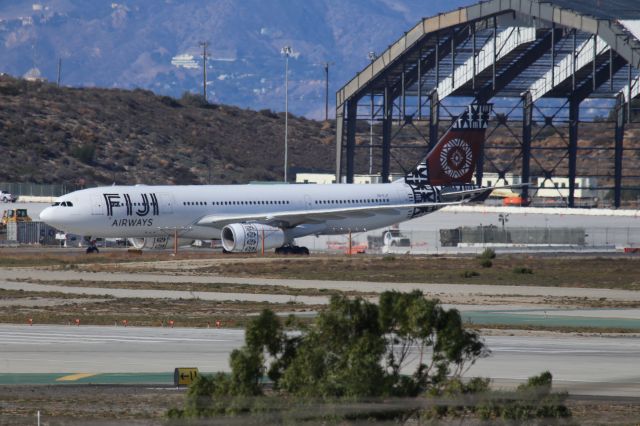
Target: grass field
[104,310]
[147,405]
[553,271]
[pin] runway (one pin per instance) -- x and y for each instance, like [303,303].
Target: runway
[584,365]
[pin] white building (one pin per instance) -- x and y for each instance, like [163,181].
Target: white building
[328,178]
[558,187]
[185,61]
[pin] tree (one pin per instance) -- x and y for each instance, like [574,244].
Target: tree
[340,356]
[356,350]
[409,320]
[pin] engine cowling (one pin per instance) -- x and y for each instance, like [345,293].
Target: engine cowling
[157,243]
[149,243]
[247,237]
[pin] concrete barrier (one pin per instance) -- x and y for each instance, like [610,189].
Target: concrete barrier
[34,199]
[562,211]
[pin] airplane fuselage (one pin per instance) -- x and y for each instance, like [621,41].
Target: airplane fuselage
[154,211]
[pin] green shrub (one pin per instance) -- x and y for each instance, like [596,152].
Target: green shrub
[170,102]
[488,254]
[522,270]
[85,153]
[486,263]
[469,274]
[388,258]
[191,99]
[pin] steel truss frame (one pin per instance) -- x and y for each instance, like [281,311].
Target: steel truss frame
[400,99]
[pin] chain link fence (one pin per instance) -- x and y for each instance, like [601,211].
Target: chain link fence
[476,239]
[38,189]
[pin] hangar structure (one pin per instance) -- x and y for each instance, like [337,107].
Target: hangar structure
[561,75]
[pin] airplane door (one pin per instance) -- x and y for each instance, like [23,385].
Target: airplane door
[166,204]
[97,205]
[308,204]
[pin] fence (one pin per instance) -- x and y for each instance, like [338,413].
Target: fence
[31,233]
[474,240]
[38,189]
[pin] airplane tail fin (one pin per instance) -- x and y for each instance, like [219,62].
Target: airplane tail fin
[453,160]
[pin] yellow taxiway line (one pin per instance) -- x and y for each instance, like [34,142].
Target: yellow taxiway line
[73,377]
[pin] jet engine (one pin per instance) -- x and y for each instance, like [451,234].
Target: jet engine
[157,243]
[247,237]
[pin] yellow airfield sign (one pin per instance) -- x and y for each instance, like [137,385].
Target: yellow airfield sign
[184,376]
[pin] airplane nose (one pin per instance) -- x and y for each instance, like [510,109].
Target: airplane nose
[47,215]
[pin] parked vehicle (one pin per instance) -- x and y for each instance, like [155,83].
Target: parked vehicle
[14,215]
[7,197]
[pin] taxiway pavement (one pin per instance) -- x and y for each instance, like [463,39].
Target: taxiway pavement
[588,365]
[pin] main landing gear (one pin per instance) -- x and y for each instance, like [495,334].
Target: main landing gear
[92,248]
[286,250]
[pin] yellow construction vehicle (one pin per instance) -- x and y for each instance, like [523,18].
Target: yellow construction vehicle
[14,215]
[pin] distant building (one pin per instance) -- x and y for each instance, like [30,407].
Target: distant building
[185,60]
[555,188]
[559,187]
[34,74]
[328,178]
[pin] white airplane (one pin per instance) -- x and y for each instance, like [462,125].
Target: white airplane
[248,218]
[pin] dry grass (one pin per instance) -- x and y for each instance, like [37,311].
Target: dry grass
[588,272]
[144,405]
[21,294]
[70,259]
[85,404]
[101,135]
[209,287]
[147,312]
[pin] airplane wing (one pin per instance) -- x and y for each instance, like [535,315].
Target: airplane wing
[477,194]
[288,219]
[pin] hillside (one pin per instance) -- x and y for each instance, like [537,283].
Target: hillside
[100,136]
[131,44]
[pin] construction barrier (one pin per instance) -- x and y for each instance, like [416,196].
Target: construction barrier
[31,233]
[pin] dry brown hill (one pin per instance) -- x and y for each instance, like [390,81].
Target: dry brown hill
[100,136]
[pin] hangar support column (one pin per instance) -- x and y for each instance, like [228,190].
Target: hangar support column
[387,122]
[527,116]
[434,119]
[574,120]
[339,140]
[619,141]
[352,116]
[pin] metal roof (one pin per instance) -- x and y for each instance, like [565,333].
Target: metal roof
[602,9]
[599,18]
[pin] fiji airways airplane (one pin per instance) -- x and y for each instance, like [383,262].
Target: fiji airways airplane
[248,218]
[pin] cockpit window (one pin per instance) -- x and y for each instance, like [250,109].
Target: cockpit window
[55,204]
[69,203]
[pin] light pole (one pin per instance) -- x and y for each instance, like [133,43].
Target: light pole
[326,89]
[372,57]
[286,51]
[503,218]
[204,45]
